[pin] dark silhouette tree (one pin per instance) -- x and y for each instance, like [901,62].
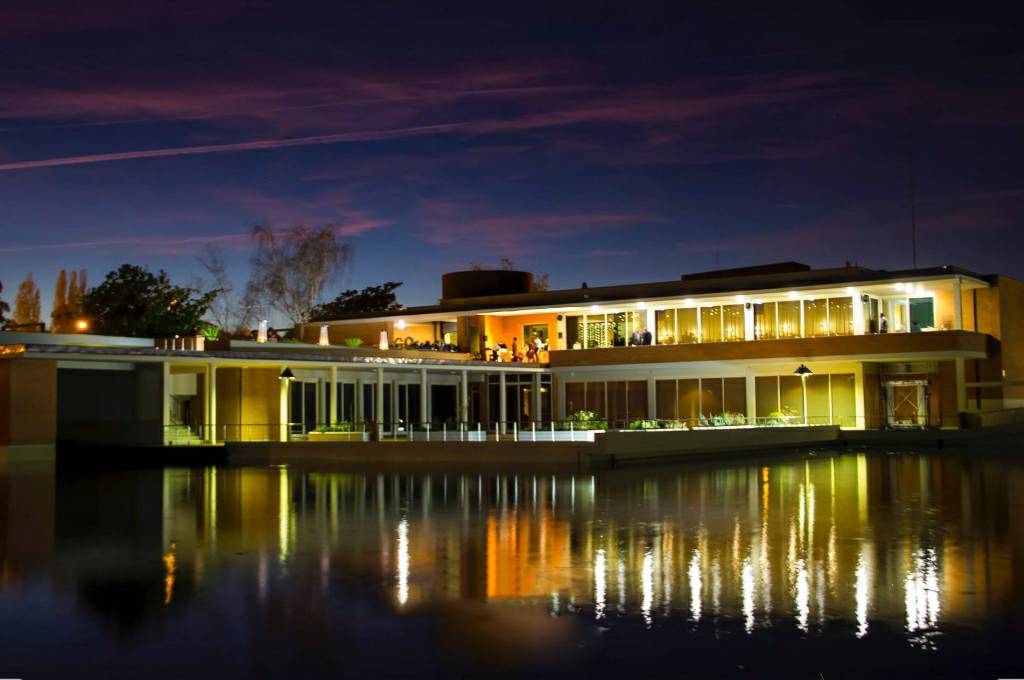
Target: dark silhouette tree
[135,302]
[27,304]
[370,299]
[4,307]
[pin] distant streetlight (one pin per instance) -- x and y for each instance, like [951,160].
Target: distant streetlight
[803,372]
[82,325]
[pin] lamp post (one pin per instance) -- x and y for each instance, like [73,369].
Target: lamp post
[803,372]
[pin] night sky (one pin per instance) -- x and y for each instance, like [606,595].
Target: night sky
[602,142]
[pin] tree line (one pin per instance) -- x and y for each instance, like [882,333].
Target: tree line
[289,272]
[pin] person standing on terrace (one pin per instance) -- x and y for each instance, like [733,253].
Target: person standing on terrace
[647,337]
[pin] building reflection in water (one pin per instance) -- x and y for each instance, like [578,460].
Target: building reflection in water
[845,541]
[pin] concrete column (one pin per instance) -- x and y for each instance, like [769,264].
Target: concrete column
[464,397]
[332,397]
[424,398]
[858,314]
[700,332]
[652,324]
[859,407]
[360,411]
[394,404]
[652,398]
[378,401]
[748,320]
[961,385]
[165,419]
[210,403]
[535,399]
[558,398]
[751,397]
[502,403]
[283,408]
[958,305]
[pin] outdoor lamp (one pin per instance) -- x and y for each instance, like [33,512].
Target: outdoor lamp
[803,372]
[287,374]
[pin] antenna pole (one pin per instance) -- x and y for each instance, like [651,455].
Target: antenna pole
[912,180]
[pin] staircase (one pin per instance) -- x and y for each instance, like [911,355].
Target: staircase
[182,435]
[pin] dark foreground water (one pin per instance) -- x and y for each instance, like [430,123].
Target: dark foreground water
[833,565]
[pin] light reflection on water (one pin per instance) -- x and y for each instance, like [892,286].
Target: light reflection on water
[852,545]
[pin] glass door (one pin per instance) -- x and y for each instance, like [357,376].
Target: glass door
[303,403]
[899,318]
[872,309]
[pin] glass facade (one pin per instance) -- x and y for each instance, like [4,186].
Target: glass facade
[922,314]
[665,326]
[830,399]
[800,315]
[690,399]
[710,324]
[815,318]
[733,323]
[765,321]
[618,401]
[789,318]
[686,322]
[840,316]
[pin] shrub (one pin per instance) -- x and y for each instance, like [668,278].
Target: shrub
[337,427]
[353,342]
[786,416]
[587,420]
[723,420]
[210,332]
[642,425]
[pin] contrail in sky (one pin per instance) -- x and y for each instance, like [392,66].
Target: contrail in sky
[336,138]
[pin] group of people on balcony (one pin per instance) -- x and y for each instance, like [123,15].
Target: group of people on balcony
[641,337]
[529,353]
[435,346]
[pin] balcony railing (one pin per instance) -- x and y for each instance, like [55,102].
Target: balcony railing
[509,431]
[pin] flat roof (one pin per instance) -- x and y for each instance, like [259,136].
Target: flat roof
[381,358]
[769,277]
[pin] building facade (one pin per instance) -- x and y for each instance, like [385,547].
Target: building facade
[911,348]
[772,345]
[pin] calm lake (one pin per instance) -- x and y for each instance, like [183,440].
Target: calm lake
[832,564]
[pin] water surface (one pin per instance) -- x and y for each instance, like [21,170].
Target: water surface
[836,564]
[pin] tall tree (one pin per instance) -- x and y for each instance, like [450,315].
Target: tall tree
[133,301]
[228,311]
[292,266]
[60,320]
[26,304]
[370,299]
[83,288]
